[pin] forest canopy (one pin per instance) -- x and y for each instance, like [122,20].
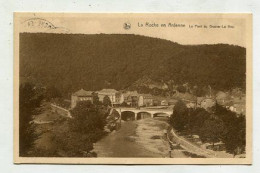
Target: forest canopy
[93,62]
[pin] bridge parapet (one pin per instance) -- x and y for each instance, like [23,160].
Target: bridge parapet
[152,112]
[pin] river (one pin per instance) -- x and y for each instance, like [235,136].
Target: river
[141,138]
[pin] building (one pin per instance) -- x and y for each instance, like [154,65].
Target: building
[198,101]
[111,93]
[145,100]
[237,107]
[81,95]
[164,103]
[191,104]
[134,101]
[119,98]
[222,97]
[240,108]
[141,101]
[131,98]
[172,102]
[156,102]
[235,104]
[205,102]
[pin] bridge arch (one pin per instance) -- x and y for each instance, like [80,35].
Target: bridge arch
[143,115]
[161,114]
[128,115]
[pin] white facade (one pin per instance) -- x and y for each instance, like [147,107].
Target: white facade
[111,93]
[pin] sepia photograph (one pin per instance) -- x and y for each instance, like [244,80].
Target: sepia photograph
[133,88]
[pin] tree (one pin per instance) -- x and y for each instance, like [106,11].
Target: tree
[52,92]
[212,130]
[235,138]
[197,119]
[156,91]
[199,91]
[181,89]
[29,100]
[73,144]
[106,101]
[179,118]
[86,118]
[85,128]
[112,120]
[96,99]
[197,64]
[124,104]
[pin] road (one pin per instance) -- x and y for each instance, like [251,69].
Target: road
[142,138]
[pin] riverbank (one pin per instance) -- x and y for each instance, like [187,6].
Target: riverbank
[142,138]
[194,149]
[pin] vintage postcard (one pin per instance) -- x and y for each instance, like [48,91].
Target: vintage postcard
[132,88]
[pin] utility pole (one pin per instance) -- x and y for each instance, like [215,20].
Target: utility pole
[189,122]
[209,91]
[120,116]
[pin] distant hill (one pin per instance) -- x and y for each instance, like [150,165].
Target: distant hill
[93,62]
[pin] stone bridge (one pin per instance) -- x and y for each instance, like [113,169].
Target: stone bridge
[151,111]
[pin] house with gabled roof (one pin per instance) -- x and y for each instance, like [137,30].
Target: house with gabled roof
[114,95]
[81,95]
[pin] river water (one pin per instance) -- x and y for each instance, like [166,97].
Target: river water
[141,138]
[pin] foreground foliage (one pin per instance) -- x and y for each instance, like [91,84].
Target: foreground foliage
[217,125]
[84,129]
[29,102]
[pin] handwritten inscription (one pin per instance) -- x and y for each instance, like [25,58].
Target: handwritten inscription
[38,23]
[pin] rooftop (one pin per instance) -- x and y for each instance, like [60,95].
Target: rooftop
[130,93]
[108,91]
[83,93]
[147,95]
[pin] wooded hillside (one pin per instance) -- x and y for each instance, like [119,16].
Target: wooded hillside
[74,61]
